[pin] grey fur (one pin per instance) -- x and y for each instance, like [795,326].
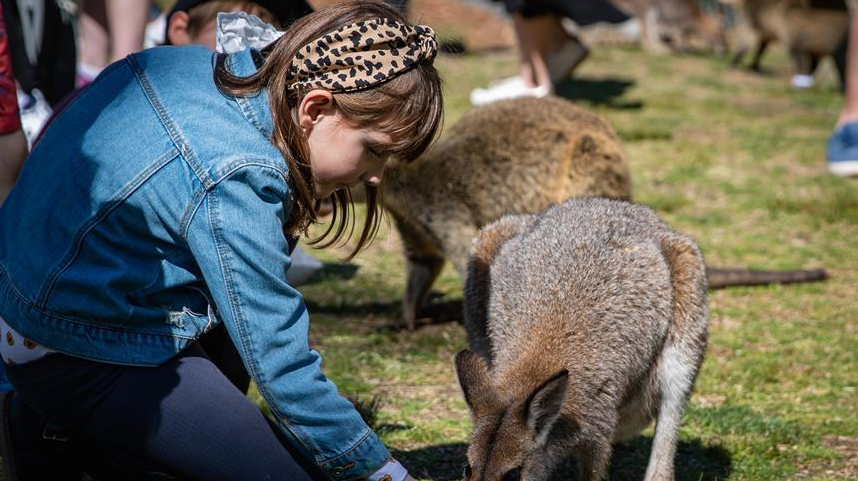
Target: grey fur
[602,291]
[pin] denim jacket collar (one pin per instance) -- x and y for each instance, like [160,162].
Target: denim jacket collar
[255,107]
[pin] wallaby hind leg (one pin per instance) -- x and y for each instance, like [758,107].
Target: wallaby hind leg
[758,56]
[650,36]
[737,57]
[422,272]
[677,378]
[682,354]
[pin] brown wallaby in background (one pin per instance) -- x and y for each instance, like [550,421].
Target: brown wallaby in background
[586,322]
[672,24]
[808,32]
[512,157]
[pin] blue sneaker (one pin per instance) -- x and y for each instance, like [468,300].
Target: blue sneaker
[842,150]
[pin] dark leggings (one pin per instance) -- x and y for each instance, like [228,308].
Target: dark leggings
[581,12]
[183,417]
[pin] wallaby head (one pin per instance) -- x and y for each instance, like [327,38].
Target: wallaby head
[510,441]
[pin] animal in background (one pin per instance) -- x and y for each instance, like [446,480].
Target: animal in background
[512,157]
[675,24]
[807,32]
[517,156]
[586,322]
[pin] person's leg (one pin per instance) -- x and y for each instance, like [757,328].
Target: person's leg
[534,36]
[849,112]
[94,42]
[534,79]
[183,417]
[126,20]
[13,151]
[842,147]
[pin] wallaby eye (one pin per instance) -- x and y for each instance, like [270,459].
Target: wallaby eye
[466,473]
[512,475]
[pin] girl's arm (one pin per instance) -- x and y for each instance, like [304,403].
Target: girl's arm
[236,235]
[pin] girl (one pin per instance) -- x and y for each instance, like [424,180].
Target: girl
[159,204]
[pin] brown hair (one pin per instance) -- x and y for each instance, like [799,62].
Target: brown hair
[408,107]
[199,16]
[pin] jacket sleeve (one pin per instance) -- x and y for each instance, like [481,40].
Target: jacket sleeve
[236,235]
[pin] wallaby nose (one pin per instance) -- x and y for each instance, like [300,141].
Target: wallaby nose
[373,180]
[373,176]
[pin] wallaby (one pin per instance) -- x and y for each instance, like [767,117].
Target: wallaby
[808,33]
[512,157]
[670,24]
[517,156]
[586,321]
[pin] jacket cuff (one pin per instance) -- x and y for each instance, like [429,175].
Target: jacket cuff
[363,459]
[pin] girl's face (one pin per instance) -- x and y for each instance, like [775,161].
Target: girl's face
[341,154]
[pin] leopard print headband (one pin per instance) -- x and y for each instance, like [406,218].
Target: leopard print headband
[361,55]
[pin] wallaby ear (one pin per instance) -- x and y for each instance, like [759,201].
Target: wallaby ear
[544,404]
[475,381]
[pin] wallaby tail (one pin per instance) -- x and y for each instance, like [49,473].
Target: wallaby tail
[720,277]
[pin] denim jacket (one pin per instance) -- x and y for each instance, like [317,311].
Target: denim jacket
[153,209]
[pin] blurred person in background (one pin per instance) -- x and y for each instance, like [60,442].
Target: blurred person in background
[548,52]
[108,31]
[41,41]
[842,147]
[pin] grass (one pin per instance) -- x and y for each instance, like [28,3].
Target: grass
[732,158]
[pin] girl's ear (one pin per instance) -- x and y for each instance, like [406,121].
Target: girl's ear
[177,31]
[314,106]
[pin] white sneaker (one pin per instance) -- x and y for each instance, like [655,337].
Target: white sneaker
[561,62]
[800,81]
[510,88]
